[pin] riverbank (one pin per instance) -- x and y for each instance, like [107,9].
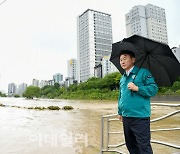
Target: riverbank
[106,88]
[155,98]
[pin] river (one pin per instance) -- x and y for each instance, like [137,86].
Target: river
[25,131]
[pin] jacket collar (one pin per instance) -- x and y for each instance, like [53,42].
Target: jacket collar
[134,71]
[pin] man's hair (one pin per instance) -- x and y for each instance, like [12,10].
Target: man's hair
[132,55]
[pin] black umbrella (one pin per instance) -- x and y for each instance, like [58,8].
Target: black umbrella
[155,56]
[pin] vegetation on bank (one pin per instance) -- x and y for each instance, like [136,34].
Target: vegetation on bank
[106,88]
[2,95]
[31,92]
[16,96]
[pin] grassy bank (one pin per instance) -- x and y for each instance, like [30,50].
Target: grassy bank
[94,94]
[106,88]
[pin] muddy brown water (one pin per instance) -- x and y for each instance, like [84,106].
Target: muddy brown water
[24,131]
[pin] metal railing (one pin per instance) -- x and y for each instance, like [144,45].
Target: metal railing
[105,144]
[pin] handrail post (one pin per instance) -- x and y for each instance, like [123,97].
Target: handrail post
[102,135]
[108,133]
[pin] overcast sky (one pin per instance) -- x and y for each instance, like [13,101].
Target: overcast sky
[37,37]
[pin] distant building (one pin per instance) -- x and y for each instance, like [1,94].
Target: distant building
[107,66]
[51,82]
[94,40]
[176,51]
[35,83]
[12,89]
[98,71]
[68,81]
[22,88]
[58,78]
[72,69]
[43,83]
[148,21]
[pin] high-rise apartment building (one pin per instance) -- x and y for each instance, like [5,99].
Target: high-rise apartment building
[58,78]
[22,88]
[68,81]
[148,21]
[35,83]
[43,83]
[94,39]
[12,89]
[51,82]
[72,69]
[107,66]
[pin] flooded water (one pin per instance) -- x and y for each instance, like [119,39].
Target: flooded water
[24,131]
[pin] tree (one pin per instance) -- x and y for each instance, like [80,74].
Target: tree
[48,90]
[56,85]
[31,92]
[111,81]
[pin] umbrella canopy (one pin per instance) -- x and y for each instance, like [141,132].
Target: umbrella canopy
[152,55]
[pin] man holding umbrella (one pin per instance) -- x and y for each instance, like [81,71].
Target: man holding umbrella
[134,104]
[144,64]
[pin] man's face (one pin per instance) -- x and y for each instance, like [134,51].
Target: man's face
[126,61]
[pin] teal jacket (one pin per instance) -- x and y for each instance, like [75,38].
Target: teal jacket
[136,104]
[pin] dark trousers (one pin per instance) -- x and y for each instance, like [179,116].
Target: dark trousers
[137,135]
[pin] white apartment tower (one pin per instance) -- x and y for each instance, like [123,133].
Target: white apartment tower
[43,83]
[148,21]
[35,83]
[72,69]
[94,40]
[58,78]
[12,89]
[22,88]
[107,66]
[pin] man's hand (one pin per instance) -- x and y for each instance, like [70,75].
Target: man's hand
[120,118]
[132,86]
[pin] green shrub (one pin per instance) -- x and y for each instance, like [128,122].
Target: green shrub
[176,86]
[30,108]
[178,92]
[67,108]
[16,95]
[53,107]
[39,108]
[2,105]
